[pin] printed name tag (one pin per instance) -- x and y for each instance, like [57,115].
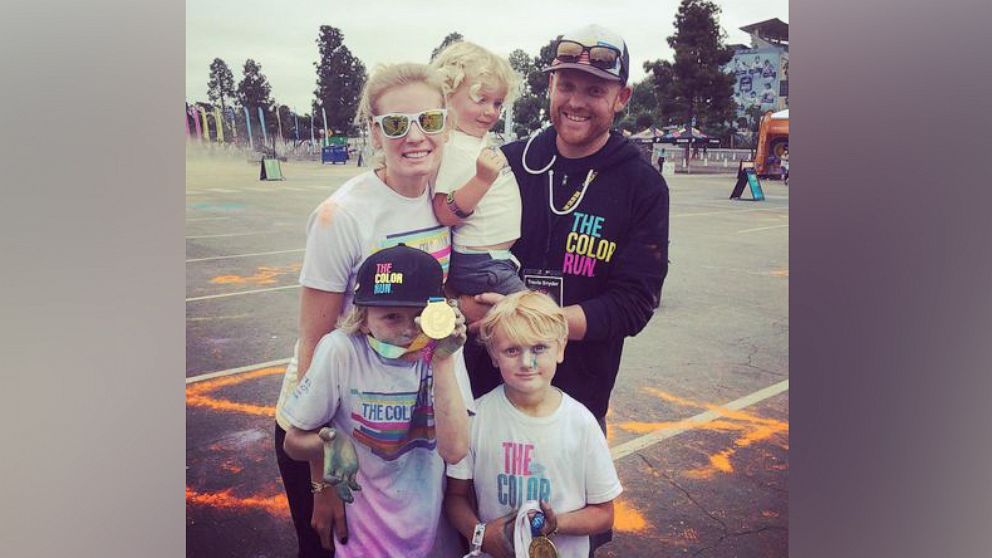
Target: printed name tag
[545,281]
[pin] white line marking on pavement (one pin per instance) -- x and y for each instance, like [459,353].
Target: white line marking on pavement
[244,255]
[761,229]
[228,234]
[222,190]
[256,291]
[191,219]
[729,211]
[637,444]
[221,373]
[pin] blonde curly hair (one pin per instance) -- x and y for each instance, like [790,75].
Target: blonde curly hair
[466,60]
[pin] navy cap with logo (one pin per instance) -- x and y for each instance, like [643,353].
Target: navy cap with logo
[398,276]
[593,49]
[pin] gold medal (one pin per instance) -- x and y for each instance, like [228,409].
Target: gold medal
[542,547]
[437,320]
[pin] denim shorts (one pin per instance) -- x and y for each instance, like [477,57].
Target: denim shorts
[484,272]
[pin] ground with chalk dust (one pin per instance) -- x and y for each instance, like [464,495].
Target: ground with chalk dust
[699,417]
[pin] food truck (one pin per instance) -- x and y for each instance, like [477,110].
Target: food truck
[773,139]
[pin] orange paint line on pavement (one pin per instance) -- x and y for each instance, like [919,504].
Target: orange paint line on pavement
[201,394]
[751,429]
[275,504]
[645,427]
[721,461]
[265,275]
[723,411]
[627,519]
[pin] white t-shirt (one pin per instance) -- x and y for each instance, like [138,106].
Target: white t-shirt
[362,217]
[497,217]
[386,407]
[562,458]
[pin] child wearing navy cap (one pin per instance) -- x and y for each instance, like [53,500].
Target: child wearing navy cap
[396,402]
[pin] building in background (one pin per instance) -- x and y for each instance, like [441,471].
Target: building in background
[762,69]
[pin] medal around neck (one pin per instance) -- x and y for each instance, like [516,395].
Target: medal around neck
[540,545]
[438,319]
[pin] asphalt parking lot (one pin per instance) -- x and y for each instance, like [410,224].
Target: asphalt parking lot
[699,417]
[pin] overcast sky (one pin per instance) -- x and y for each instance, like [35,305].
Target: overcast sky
[281,36]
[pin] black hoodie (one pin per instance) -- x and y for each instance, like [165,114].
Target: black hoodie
[611,250]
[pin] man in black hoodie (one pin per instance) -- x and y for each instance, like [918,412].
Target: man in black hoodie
[594,226]
[594,229]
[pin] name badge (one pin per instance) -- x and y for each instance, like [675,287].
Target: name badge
[546,281]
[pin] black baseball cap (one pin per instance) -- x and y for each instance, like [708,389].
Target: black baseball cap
[398,276]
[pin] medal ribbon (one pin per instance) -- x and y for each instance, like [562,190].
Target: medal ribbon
[387,350]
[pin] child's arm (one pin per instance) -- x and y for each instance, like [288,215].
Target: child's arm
[459,505]
[451,418]
[450,415]
[592,519]
[467,197]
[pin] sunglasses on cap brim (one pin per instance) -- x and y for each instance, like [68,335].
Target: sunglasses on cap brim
[397,124]
[600,56]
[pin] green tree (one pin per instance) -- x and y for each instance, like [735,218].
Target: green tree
[340,78]
[221,84]
[525,119]
[538,79]
[449,40]
[253,92]
[521,63]
[526,115]
[670,109]
[642,110]
[220,89]
[694,87]
[532,107]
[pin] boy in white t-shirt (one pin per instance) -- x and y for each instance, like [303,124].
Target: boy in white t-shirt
[474,193]
[530,441]
[396,403]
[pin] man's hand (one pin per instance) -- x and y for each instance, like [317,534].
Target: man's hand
[491,160]
[340,463]
[328,516]
[498,540]
[450,344]
[477,306]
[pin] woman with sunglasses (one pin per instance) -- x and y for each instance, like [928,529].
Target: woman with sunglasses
[403,106]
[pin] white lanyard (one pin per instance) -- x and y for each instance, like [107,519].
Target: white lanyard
[570,206]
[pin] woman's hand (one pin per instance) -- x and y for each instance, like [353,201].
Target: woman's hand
[328,517]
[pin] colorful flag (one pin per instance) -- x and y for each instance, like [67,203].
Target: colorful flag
[261,120]
[219,122]
[327,131]
[196,122]
[205,129]
[251,144]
